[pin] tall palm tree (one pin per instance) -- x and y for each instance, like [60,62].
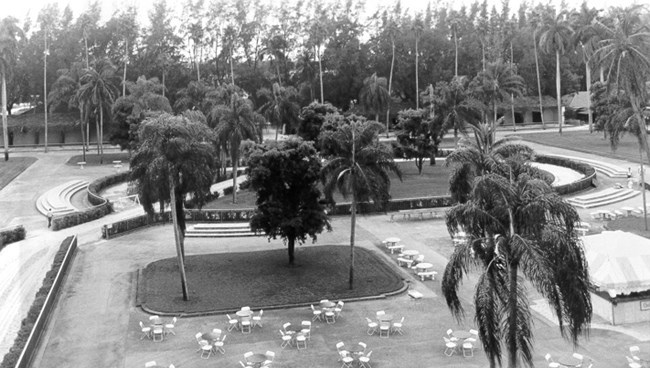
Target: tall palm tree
[454,105]
[171,161]
[357,166]
[9,32]
[98,92]
[623,51]
[392,30]
[535,24]
[373,96]
[518,228]
[585,38]
[232,124]
[498,81]
[65,90]
[555,38]
[418,28]
[281,108]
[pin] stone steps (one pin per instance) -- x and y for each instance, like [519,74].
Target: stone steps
[603,197]
[610,170]
[219,230]
[58,198]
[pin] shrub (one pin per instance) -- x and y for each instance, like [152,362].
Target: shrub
[227,191]
[81,217]
[10,359]
[12,235]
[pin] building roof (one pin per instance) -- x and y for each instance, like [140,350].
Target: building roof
[619,262]
[577,101]
[529,103]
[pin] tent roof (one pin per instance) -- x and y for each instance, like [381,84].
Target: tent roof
[619,262]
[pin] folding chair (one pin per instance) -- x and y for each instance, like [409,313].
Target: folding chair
[372,326]
[364,361]
[146,331]
[257,320]
[232,323]
[450,346]
[316,313]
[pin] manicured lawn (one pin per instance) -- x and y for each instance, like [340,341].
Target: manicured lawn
[227,281]
[92,159]
[434,181]
[630,224]
[628,147]
[12,168]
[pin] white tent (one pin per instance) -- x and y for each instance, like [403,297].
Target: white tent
[619,262]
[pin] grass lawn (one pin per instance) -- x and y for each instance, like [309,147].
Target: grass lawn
[434,181]
[92,159]
[226,281]
[628,147]
[12,168]
[630,224]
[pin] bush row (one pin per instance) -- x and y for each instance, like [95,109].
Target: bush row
[100,184]
[41,303]
[81,217]
[12,235]
[587,170]
[394,205]
[130,224]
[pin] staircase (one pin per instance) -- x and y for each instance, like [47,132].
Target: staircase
[58,199]
[220,230]
[602,198]
[610,170]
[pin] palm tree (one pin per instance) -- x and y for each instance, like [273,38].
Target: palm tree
[392,30]
[555,38]
[453,104]
[281,107]
[373,96]
[418,28]
[9,31]
[623,51]
[357,166]
[172,161]
[586,37]
[65,90]
[518,228]
[535,24]
[232,124]
[98,92]
[498,81]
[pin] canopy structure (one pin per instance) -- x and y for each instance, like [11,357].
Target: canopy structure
[619,262]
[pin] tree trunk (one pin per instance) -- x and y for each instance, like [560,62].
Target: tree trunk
[353,223]
[198,71]
[390,84]
[45,52]
[5,134]
[126,51]
[483,54]
[557,89]
[539,83]
[100,135]
[178,238]
[163,82]
[417,87]
[232,72]
[233,157]
[511,337]
[602,74]
[291,246]
[512,96]
[86,48]
[636,107]
[456,51]
[81,125]
[320,75]
[589,113]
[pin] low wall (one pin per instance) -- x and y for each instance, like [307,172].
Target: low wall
[622,309]
[35,324]
[583,168]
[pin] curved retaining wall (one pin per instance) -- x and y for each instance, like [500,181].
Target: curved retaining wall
[586,182]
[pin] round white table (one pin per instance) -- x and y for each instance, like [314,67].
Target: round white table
[423,266]
[392,240]
[410,253]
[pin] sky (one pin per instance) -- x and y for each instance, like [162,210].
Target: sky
[20,8]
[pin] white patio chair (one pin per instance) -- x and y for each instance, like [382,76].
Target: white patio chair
[199,338]
[286,339]
[217,332]
[146,331]
[306,329]
[450,346]
[372,326]
[338,309]
[270,356]
[169,327]
[339,347]
[580,358]
[285,326]
[450,334]
[468,348]
[346,359]
[150,364]
[257,320]
[246,325]
[233,323]
[364,346]
[551,362]
[384,329]
[316,313]
[301,339]
[634,351]
[247,356]
[157,333]
[243,365]
[632,364]
[218,345]
[206,349]
[364,361]
[330,316]
[172,366]
[397,326]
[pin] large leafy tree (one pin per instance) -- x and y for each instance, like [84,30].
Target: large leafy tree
[519,229]
[285,175]
[418,137]
[624,53]
[357,166]
[312,118]
[233,123]
[555,38]
[374,97]
[65,90]
[98,92]
[173,159]
[281,108]
[9,34]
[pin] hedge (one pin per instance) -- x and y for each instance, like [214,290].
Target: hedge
[100,184]
[32,326]
[587,170]
[394,205]
[81,217]
[12,235]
